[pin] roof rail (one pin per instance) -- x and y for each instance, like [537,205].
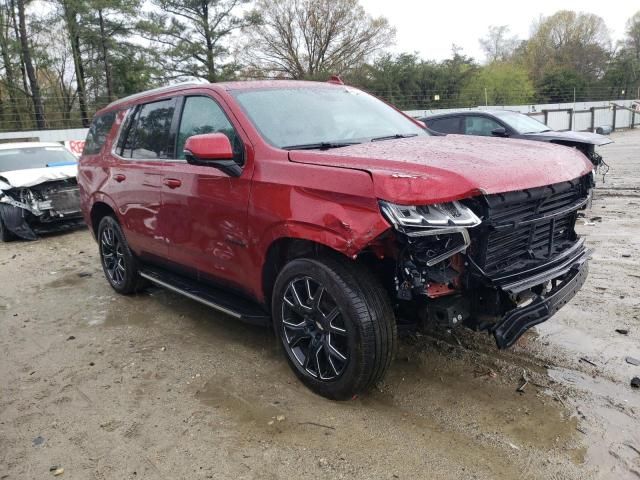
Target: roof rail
[156,90]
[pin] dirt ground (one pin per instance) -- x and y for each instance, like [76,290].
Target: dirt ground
[157,386]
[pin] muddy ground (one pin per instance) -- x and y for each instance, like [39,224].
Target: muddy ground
[157,386]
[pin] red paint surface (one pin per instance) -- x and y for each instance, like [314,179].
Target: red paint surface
[223,227]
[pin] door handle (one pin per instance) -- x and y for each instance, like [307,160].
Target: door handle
[119,177]
[172,182]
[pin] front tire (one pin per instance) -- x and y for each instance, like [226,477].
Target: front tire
[118,262]
[5,234]
[336,325]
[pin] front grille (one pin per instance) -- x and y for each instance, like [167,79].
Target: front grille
[524,228]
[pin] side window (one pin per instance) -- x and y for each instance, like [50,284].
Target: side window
[148,135]
[98,131]
[445,125]
[204,115]
[479,126]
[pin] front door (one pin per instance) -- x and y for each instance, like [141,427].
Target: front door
[204,210]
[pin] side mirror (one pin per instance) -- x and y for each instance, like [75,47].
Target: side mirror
[499,132]
[212,150]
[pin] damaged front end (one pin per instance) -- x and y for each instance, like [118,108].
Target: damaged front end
[52,205]
[500,263]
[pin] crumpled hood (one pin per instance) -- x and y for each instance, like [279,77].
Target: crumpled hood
[422,170]
[582,137]
[35,176]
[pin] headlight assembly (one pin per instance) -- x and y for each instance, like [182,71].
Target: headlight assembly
[423,220]
[445,225]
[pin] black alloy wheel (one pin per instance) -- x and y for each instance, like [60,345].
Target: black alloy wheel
[314,329]
[112,256]
[119,264]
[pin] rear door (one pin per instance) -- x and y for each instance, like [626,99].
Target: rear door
[206,209]
[141,151]
[445,124]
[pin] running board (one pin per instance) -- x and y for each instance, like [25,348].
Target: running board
[218,299]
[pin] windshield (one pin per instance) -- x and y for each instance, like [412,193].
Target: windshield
[34,157]
[322,116]
[521,123]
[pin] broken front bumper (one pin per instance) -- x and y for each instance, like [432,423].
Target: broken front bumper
[543,306]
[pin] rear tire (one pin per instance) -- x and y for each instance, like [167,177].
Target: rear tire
[336,325]
[120,266]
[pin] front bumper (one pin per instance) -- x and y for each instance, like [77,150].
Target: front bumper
[520,319]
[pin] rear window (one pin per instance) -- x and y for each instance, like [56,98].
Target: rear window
[34,157]
[97,136]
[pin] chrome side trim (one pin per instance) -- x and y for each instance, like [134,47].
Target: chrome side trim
[190,295]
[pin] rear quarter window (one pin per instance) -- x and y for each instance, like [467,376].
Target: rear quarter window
[98,132]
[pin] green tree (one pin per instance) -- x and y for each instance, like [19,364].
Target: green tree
[192,37]
[500,83]
[560,84]
[107,26]
[412,83]
[569,40]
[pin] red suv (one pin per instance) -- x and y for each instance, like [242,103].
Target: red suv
[334,217]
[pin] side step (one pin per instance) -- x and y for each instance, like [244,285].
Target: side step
[218,299]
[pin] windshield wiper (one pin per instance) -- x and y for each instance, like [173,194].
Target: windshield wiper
[392,137]
[319,145]
[537,131]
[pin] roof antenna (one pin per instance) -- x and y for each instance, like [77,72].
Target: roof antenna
[335,79]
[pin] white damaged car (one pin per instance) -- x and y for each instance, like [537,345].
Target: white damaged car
[38,189]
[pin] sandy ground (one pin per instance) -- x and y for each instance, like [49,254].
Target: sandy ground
[157,386]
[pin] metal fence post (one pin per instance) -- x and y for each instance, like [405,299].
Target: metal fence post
[546,116]
[615,109]
[571,119]
[593,118]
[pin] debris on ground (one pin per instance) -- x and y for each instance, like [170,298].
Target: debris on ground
[482,373]
[596,219]
[589,224]
[525,382]
[39,440]
[632,361]
[280,418]
[626,255]
[56,470]
[586,360]
[635,382]
[622,331]
[84,274]
[71,337]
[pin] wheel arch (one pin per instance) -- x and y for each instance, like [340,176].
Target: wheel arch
[99,210]
[284,249]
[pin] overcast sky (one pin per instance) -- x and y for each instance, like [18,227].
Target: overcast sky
[430,27]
